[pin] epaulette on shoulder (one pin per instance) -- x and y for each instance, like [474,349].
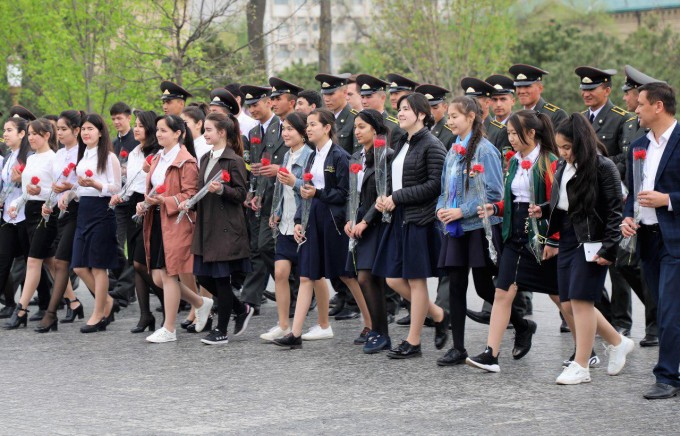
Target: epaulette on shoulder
[584,112]
[551,107]
[393,119]
[633,118]
[448,128]
[497,124]
[353,112]
[617,110]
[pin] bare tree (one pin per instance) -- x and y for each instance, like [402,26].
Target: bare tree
[325,35]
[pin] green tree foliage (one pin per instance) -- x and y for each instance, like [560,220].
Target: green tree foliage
[301,74]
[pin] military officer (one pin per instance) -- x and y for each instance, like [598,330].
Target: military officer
[353,96]
[529,86]
[399,85]
[283,95]
[502,102]
[373,96]
[174,97]
[496,132]
[223,101]
[436,96]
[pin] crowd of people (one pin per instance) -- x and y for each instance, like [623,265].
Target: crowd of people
[203,204]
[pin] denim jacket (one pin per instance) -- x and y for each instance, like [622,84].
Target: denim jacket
[297,170]
[468,201]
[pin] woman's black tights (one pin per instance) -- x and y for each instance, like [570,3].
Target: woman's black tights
[373,289]
[144,285]
[226,300]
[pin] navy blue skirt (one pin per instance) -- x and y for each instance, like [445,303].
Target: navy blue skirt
[218,270]
[95,244]
[470,250]
[518,265]
[366,249]
[286,249]
[325,252]
[407,251]
[577,279]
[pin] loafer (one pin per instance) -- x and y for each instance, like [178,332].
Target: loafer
[441,331]
[405,320]
[523,340]
[377,343]
[480,317]
[661,391]
[346,314]
[405,351]
[650,341]
[453,357]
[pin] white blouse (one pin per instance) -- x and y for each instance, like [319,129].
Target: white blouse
[62,159]
[201,148]
[520,183]
[110,178]
[11,162]
[165,159]
[287,224]
[318,166]
[136,176]
[398,168]
[39,165]
[569,172]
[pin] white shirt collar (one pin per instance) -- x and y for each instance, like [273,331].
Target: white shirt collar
[595,113]
[266,124]
[217,153]
[663,139]
[171,155]
[89,152]
[531,156]
[326,147]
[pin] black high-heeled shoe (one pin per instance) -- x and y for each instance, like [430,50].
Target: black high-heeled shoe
[111,317]
[53,325]
[15,321]
[143,324]
[99,327]
[71,314]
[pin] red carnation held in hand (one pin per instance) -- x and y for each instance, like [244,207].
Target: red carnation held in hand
[640,154]
[66,171]
[526,164]
[308,177]
[478,168]
[123,154]
[160,189]
[21,168]
[379,142]
[35,180]
[265,162]
[226,177]
[71,166]
[255,140]
[459,149]
[355,168]
[149,158]
[284,170]
[89,173]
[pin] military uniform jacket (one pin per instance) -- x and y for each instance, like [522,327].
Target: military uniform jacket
[274,145]
[442,132]
[609,126]
[497,134]
[344,129]
[556,114]
[394,131]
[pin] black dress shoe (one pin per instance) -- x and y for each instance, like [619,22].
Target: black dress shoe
[429,322]
[269,295]
[347,313]
[405,320]
[523,340]
[15,320]
[650,341]
[564,327]
[99,327]
[661,391]
[339,306]
[71,314]
[623,331]
[7,312]
[122,299]
[441,331]
[54,325]
[453,357]
[480,317]
[144,323]
[115,308]
[263,300]
[38,316]
[184,324]
[289,341]
[405,351]
[333,301]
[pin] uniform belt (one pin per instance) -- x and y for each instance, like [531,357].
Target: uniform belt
[652,228]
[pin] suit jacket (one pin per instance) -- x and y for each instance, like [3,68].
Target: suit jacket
[442,132]
[556,114]
[344,129]
[609,126]
[667,181]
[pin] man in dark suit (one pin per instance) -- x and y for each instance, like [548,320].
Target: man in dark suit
[659,224]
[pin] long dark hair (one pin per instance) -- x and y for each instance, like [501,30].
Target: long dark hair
[584,147]
[21,126]
[326,118]
[196,113]
[229,124]
[298,121]
[148,121]
[42,126]
[177,124]
[104,146]
[375,120]
[525,120]
[466,105]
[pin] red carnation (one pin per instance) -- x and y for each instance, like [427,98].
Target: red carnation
[308,177]
[526,164]
[35,180]
[160,189]
[89,173]
[66,172]
[226,177]
[355,168]
[284,170]
[123,154]
[460,149]
[640,154]
[256,140]
[478,168]
[71,166]
[509,155]
[265,162]
[21,168]
[149,158]
[379,142]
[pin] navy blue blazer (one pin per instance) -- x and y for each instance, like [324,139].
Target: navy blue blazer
[667,181]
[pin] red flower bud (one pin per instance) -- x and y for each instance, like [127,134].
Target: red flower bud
[308,177]
[160,189]
[355,168]
[149,158]
[255,140]
[284,170]
[21,168]
[66,172]
[226,177]
[265,162]
[460,149]
[509,155]
[89,173]
[478,168]
[526,164]
[379,142]
[35,180]
[123,154]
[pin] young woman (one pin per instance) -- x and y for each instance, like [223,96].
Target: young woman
[222,250]
[367,125]
[144,133]
[68,129]
[13,235]
[532,137]
[167,244]
[194,116]
[36,182]
[94,243]
[323,253]
[585,208]
[286,255]
[409,246]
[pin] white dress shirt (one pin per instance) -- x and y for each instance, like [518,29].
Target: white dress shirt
[520,184]
[166,158]
[651,166]
[594,113]
[569,172]
[9,163]
[39,165]
[136,176]
[201,148]
[246,123]
[287,224]
[318,166]
[110,178]
[398,168]
[62,159]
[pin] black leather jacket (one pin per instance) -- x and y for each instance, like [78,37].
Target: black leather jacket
[600,224]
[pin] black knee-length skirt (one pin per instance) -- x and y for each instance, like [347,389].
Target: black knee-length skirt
[41,233]
[95,244]
[66,231]
[470,250]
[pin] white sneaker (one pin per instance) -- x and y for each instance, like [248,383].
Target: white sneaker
[574,374]
[162,335]
[617,355]
[274,333]
[316,333]
[202,314]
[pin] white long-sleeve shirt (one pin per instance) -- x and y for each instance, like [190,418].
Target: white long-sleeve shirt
[110,178]
[62,159]
[11,162]
[136,176]
[38,165]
